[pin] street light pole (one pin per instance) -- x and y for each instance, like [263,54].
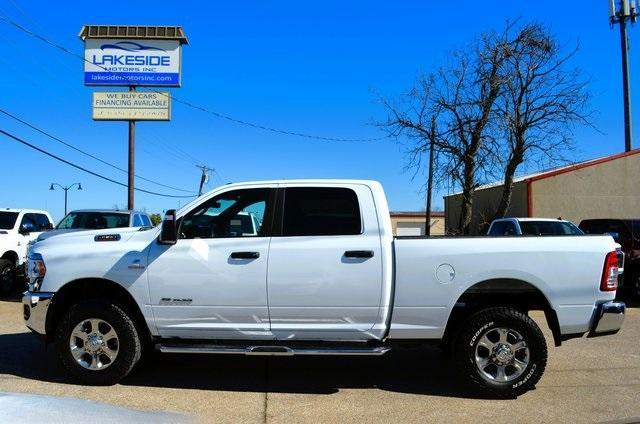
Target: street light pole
[66,189]
[627,11]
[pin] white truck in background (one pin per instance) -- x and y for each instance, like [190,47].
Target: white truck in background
[18,227]
[322,276]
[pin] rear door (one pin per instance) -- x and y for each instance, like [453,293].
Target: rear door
[325,263]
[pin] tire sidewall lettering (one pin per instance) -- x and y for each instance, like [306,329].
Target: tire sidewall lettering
[480,331]
[526,378]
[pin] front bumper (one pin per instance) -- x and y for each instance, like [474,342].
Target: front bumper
[35,306]
[608,319]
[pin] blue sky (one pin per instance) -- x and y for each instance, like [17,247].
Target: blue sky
[311,67]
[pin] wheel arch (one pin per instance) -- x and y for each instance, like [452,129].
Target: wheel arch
[92,289]
[513,292]
[11,255]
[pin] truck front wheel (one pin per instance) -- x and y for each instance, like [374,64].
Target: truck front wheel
[501,352]
[7,276]
[97,342]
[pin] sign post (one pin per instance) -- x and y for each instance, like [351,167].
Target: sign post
[132,158]
[132,56]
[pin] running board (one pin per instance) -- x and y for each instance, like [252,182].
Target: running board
[273,350]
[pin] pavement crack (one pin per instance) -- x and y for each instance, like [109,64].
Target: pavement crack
[266,391]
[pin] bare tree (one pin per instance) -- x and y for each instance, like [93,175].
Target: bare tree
[540,103]
[451,110]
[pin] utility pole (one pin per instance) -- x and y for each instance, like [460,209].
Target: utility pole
[66,189]
[205,177]
[427,223]
[627,10]
[132,148]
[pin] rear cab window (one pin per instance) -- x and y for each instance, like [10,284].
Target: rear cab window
[605,227]
[549,228]
[8,220]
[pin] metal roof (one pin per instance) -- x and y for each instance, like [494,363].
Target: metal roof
[552,172]
[421,214]
[134,31]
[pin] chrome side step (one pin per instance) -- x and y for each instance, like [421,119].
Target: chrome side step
[273,350]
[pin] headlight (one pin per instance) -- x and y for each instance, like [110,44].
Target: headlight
[35,271]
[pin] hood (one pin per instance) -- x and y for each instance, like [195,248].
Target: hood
[88,236]
[51,233]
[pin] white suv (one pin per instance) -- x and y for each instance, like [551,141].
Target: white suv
[17,228]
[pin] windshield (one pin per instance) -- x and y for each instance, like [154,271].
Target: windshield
[8,220]
[93,220]
[549,228]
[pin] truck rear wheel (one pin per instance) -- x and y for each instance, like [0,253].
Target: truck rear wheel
[7,276]
[97,343]
[501,352]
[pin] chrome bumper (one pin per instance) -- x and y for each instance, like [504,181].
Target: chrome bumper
[35,306]
[608,319]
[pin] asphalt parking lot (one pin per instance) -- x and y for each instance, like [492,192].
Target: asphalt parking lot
[587,380]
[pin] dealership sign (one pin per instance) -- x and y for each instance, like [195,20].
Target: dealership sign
[132,62]
[131,105]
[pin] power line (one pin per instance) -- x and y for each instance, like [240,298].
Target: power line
[95,174]
[41,131]
[191,105]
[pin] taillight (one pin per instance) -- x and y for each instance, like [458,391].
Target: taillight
[609,280]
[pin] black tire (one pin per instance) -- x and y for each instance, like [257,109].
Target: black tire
[7,277]
[128,346]
[632,288]
[487,323]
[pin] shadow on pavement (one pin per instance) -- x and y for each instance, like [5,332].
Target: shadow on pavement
[422,370]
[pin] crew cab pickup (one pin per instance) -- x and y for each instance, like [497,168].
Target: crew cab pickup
[18,228]
[322,275]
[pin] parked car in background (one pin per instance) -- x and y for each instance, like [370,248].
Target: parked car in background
[321,274]
[626,232]
[533,227]
[17,228]
[98,219]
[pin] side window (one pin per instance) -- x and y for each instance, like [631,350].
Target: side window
[321,211]
[137,221]
[42,221]
[146,221]
[497,229]
[510,229]
[620,228]
[503,228]
[29,222]
[237,213]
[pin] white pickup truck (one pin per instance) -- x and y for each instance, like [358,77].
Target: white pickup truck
[322,276]
[18,228]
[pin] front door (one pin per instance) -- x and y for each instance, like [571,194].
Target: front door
[325,265]
[33,226]
[212,282]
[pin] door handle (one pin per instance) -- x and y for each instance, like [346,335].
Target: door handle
[136,265]
[358,254]
[245,255]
